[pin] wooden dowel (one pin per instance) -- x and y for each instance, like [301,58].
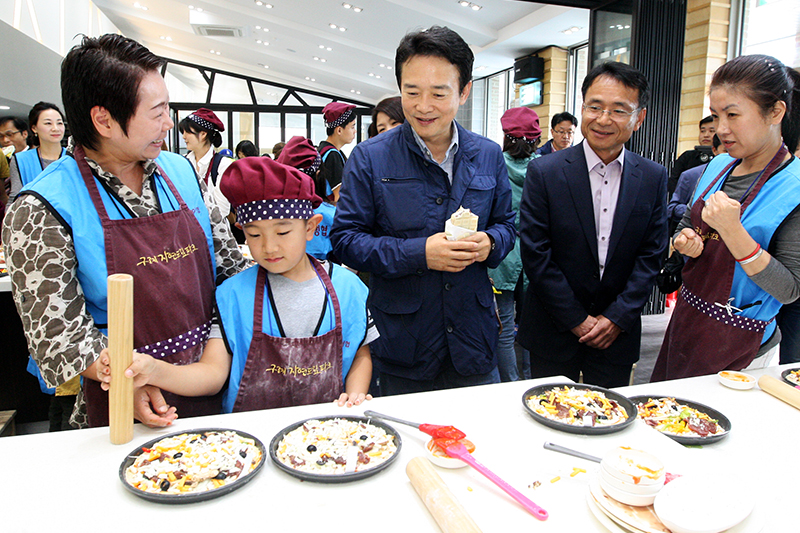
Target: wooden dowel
[779,389]
[120,352]
[441,503]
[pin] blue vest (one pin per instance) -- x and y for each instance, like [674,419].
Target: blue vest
[235,303]
[64,192]
[779,196]
[29,165]
[320,245]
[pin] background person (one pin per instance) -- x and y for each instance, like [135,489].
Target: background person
[388,114]
[13,132]
[562,133]
[47,132]
[276,150]
[700,155]
[593,229]
[152,203]
[246,149]
[340,125]
[522,133]
[743,262]
[431,298]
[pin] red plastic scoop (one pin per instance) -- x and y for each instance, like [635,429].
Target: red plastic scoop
[434,430]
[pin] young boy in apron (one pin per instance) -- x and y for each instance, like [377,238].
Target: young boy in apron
[291,330]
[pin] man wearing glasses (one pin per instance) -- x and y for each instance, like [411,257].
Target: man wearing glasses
[592,233]
[562,133]
[14,132]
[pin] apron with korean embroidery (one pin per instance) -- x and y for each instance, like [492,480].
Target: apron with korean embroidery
[705,334]
[282,371]
[172,300]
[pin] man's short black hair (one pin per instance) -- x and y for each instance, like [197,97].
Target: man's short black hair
[716,142]
[558,118]
[351,118]
[19,123]
[436,41]
[706,120]
[105,71]
[625,74]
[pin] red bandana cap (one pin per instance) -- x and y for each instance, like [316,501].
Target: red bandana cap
[262,189]
[207,119]
[301,154]
[521,123]
[336,113]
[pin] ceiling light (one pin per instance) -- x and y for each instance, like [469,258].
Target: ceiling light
[358,10]
[316,58]
[166,38]
[4,107]
[382,65]
[214,52]
[476,7]
[389,67]
[258,41]
[371,74]
[346,5]
[258,27]
[378,76]
[199,9]
[342,28]
[332,26]
[260,3]
[322,47]
[137,5]
[464,3]
[322,60]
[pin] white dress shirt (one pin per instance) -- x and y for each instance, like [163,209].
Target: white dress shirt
[604,181]
[201,167]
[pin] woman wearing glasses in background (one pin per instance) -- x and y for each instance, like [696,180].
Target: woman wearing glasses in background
[742,234]
[47,132]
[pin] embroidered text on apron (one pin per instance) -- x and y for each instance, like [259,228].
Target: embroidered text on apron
[281,371]
[705,334]
[168,256]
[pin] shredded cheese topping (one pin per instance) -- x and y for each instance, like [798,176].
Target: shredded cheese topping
[578,407]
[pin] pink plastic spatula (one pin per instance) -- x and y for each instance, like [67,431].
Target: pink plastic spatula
[459,451]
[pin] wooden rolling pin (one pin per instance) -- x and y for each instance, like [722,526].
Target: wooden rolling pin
[442,504]
[779,389]
[120,352]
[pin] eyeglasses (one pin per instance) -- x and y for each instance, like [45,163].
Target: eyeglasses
[9,134]
[564,133]
[617,115]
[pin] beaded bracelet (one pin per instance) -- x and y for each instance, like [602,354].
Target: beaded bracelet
[752,257]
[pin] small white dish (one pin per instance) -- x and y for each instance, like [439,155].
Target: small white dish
[736,380]
[628,498]
[632,488]
[439,458]
[703,504]
[633,466]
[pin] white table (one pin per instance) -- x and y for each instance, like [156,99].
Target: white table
[64,480]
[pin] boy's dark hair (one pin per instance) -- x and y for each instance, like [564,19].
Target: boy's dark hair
[247,148]
[625,74]
[716,142]
[214,136]
[706,120]
[436,41]
[558,118]
[350,119]
[105,71]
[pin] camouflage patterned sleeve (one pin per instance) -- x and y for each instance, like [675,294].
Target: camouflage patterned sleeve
[229,259]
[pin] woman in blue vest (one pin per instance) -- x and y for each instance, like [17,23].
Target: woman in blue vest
[47,131]
[742,234]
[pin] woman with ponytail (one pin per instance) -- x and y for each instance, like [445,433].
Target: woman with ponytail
[742,234]
[200,131]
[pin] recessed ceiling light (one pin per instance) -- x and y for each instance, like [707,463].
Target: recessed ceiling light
[316,58]
[382,65]
[332,26]
[137,5]
[166,38]
[4,107]
[358,10]
[346,5]
[258,41]
[371,74]
[476,7]
[258,27]
[342,28]
[322,60]
[322,47]
[465,3]
[214,52]
[260,3]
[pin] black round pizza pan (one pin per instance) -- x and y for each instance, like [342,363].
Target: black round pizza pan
[721,419]
[334,478]
[623,402]
[785,376]
[189,497]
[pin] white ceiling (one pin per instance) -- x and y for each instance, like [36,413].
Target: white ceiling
[498,33]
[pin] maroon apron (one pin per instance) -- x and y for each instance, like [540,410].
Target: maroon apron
[705,334]
[173,296]
[283,372]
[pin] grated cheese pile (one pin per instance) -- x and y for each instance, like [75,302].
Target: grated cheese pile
[193,462]
[578,407]
[335,446]
[668,416]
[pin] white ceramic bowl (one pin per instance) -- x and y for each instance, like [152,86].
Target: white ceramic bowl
[632,488]
[622,496]
[633,466]
[441,460]
[695,504]
[736,380]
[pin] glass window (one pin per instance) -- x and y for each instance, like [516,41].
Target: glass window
[267,95]
[243,128]
[315,101]
[295,125]
[771,27]
[612,32]
[496,105]
[269,131]
[230,90]
[185,84]
[318,133]
[579,68]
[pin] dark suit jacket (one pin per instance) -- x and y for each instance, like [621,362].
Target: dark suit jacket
[559,253]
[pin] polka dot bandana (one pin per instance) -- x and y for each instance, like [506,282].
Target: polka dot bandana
[337,113]
[274,209]
[301,154]
[207,120]
[724,313]
[177,344]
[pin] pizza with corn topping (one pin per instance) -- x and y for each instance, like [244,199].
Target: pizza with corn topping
[578,407]
[668,415]
[335,446]
[194,462]
[794,376]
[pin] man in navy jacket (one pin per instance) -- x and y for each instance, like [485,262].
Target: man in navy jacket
[592,234]
[431,298]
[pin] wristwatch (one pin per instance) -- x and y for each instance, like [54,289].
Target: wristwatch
[491,239]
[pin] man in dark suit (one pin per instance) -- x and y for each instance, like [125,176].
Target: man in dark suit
[592,232]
